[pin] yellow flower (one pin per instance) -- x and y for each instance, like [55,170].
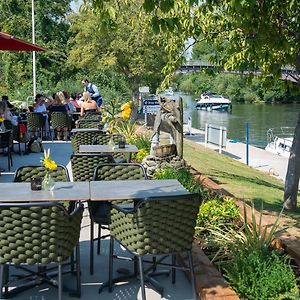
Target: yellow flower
[1,119]
[48,163]
[126,110]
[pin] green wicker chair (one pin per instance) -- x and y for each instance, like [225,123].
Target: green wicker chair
[102,139]
[84,164]
[37,233]
[96,116]
[99,211]
[60,120]
[86,123]
[155,226]
[27,173]
[36,121]
[82,138]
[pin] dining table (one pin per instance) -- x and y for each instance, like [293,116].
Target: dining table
[63,191]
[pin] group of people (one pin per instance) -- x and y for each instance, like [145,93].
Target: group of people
[90,100]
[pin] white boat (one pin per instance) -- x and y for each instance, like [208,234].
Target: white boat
[210,101]
[169,92]
[280,143]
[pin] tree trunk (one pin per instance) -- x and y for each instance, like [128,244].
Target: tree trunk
[293,172]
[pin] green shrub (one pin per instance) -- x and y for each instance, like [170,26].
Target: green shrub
[262,275]
[142,153]
[182,175]
[218,212]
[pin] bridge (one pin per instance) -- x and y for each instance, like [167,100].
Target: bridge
[288,73]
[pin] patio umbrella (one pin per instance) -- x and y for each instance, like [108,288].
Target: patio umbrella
[9,42]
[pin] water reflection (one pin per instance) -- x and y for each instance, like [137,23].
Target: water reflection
[260,117]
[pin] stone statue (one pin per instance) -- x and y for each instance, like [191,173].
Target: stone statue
[169,119]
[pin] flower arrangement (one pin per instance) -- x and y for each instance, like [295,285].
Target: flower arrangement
[50,165]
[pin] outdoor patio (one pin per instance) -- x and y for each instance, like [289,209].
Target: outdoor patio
[60,152]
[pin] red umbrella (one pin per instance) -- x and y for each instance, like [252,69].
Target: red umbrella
[9,42]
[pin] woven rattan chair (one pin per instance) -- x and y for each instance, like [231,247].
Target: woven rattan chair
[155,226]
[60,121]
[103,139]
[6,143]
[36,121]
[86,123]
[82,138]
[99,211]
[96,116]
[28,173]
[37,233]
[83,165]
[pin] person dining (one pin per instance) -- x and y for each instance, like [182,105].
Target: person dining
[40,107]
[58,105]
[88,104]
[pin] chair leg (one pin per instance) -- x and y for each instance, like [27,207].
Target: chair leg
[59,281]
[99,239]
[111,260]
[173,269]
[193,279]
[1,280]
[142,277]
[78,270]
[92,248]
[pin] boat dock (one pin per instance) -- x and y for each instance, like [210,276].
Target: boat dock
[259,159]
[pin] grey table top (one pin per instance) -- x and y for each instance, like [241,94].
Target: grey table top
[74,130]
[134,189]
[63,191]
[107,149]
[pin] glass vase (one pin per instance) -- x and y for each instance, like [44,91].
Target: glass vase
[48,182]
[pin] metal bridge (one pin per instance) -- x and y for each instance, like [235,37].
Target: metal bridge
[288,73]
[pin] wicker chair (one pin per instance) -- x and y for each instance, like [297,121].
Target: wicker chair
[37,233]
[82,138]
[96,116]
[60,121]
[6,142]
[99,210]
[86,123]
[27,173]
[155,226]
[102,139]
[36,121]
[84,164]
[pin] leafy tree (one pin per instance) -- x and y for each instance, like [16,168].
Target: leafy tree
[124,42]
[51,30]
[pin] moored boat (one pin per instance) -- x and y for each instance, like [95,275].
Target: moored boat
[280,143]
[210,101]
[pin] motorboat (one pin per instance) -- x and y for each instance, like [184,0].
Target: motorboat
[210,101]
[280,143]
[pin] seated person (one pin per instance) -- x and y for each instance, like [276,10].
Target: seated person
[58,105]
[88,104]
[6,114]
[40,107]
[10,106]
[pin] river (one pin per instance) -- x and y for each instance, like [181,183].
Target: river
[260,118]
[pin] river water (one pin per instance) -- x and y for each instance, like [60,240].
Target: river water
[260,118]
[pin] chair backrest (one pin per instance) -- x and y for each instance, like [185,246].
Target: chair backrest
[96,116]
[35,120]
[39,232]
[158,225]
[27,173]
[86,123]
[84,164]
[60,120]
[6,139]
[82,138]
[119,171]
[102,139]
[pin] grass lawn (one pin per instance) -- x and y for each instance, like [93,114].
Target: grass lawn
[239,179]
